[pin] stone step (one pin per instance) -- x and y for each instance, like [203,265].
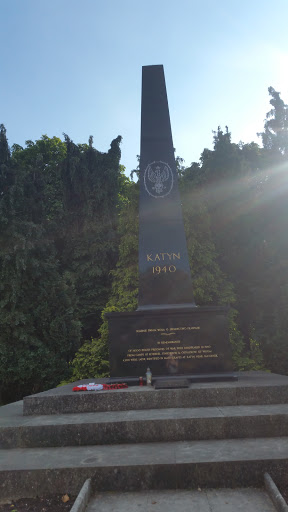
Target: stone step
[141,426]
[252,388]
[210,500]
[146,466]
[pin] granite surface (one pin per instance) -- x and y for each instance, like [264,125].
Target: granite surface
[185,465]
[195,444]
[251,388]
[210,500]
[140,426]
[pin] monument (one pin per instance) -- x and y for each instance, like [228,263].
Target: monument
[168,332]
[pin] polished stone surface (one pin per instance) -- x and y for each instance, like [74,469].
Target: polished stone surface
[171,343]
[171,383]
[167,333]
[164,272]
[210,500]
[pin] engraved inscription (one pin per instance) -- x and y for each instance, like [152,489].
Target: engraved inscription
[169,349]
[170,352]
[163,256]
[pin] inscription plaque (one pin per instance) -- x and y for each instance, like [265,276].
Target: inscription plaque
[181,343]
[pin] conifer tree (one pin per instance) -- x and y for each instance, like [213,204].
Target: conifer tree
[89,246]
[92,359]
[275,135]
[39,334]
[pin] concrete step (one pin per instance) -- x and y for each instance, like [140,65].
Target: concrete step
[252,388]
[140,426]
[210,500]
[146,466]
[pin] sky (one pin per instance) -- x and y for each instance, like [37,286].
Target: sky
[74,67]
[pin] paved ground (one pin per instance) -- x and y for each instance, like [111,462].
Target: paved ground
[182,452]
[214,500]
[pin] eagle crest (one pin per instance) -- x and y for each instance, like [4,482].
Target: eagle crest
[158,177]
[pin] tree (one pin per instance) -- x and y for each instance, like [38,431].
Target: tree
[39,334]
[92,358]
[58,219]
[245,190]
[271,321]
[275,135]
[89,245]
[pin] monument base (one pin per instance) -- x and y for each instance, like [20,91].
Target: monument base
[179,342]
[175,381]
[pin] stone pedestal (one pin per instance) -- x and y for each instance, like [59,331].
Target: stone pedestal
[168,333]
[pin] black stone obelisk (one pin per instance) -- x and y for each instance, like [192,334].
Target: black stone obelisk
[164,271]
[168,332]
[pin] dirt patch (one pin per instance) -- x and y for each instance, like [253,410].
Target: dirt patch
[55,503]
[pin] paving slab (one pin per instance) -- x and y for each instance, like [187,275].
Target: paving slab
[210,500]
[184,465]
[251,388]
[145,454]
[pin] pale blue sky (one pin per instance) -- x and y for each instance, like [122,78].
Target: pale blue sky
[75,66]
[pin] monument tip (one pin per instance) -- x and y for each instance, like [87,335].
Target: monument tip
[153,66]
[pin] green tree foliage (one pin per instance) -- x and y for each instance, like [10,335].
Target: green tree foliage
[275,135]
[271,320]
[211,285]
[245,190]
[228,179]
[92,358]
[39,333]
[69,250]
[88,243]
[58,216]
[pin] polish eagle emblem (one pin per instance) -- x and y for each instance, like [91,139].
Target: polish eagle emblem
[158,179]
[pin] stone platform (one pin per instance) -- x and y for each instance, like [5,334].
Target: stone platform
[209,435]
[251,388]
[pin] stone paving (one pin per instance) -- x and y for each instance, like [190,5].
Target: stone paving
[146,454]
[212,500]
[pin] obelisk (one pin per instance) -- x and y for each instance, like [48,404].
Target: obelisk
[167,333]
[164,271]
